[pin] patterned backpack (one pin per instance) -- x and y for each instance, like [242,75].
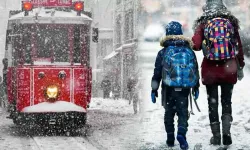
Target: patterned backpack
[219,43]
[180,68]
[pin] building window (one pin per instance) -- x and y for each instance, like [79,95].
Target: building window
[129,25]
[105,47]
[118,29]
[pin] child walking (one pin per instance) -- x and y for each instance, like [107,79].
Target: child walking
[176,66]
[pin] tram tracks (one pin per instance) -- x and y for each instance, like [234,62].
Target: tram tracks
[61,143]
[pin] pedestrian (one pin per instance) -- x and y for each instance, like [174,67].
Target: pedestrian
[3,85]
[176,66]
[216,34]
[116,91]
[106,87]
[132,86]
[2,91]
[5,70]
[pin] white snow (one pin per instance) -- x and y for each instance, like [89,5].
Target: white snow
[58,106]
[49,63]
[124,46]
[112,54]
[147,131]
[42,15]
[43,12]
[154,31]
[120,106]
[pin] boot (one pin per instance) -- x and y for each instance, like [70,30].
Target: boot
[216,138]
[183,142]
[170,140]
[226,125]
[181,137]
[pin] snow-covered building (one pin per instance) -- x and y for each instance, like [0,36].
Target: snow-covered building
[121,62]
[102,14]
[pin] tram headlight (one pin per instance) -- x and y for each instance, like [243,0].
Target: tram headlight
[52,91]
[27,6]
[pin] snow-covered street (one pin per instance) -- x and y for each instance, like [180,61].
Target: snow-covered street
[106,119]
[112,126]
[13,138]
[199,130]
[146,131]
[111,123]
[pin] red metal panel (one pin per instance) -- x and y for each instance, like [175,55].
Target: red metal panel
[23,88]
[51,78]
[89,84]
[80,77]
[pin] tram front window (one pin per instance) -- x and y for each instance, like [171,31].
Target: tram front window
[53,43]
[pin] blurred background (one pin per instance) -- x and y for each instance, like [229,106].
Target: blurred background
[155,14]
[186,11]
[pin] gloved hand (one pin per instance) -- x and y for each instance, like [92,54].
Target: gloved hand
[195,93]
[240,74]
[154,94]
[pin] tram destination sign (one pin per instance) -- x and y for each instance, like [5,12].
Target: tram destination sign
[50,3]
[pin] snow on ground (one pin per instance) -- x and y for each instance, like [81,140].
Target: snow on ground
[146,131]
[120,106]
[199,129]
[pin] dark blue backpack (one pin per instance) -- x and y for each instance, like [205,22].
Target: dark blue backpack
[180,68]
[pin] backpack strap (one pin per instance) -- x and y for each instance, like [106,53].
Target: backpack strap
[191,104]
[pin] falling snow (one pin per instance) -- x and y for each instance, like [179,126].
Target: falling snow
[112,123]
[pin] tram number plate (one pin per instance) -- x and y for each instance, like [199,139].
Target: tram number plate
[52,121]
[51,3]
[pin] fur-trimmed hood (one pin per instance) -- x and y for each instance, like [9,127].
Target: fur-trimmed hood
[176,40]
[210,15]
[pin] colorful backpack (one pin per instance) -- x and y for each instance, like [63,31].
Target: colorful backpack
[180,68]
[219,43]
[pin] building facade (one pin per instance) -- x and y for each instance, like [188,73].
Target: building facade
[102,14]
[121,63]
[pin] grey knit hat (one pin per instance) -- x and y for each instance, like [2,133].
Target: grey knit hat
[214,5]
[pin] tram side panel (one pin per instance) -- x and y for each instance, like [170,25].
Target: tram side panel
[80,87]
[89,85]
[23,88]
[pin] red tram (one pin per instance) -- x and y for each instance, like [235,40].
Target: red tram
[49,73]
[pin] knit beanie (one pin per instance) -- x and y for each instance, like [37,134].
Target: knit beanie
[174,28]
[214,5]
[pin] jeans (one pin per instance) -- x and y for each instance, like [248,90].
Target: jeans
[135,98]
[106,93]
[226,103]
[176,102]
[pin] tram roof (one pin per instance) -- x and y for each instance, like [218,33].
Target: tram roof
[43,15]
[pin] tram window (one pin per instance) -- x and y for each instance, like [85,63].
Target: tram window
[77,45]
[86,43]
[53,42]
[87,38]
[44,43]
[27,54]
[17,44]
[61,48]
[27,45]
